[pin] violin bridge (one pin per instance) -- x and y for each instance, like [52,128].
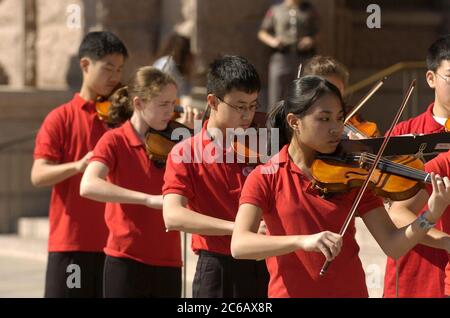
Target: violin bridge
[419,154]
[362,160]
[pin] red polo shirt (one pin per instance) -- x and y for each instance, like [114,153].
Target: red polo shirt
[291,206]
[421,271]
[212,187]
[135,232]
[422,124]
[67,134]
[441,165]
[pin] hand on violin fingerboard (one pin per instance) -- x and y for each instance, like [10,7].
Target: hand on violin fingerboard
[355,136]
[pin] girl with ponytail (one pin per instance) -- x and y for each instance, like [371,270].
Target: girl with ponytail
[302,225]
[143,260]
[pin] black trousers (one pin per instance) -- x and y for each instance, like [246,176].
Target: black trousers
[127,278]
[222,276]
[74,275]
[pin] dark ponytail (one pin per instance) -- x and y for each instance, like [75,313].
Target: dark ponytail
[277,119]
[302,93]
[121,109]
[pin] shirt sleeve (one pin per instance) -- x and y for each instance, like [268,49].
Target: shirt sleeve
[177,179]
[51,137]
[268,22]
[257,190]
[105,151]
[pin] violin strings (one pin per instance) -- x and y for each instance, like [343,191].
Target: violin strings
[408,170]
[399,165]
[395,165]
[402,168]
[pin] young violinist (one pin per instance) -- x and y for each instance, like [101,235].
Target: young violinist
[64,145]
[142,259]
[420,273]
[201,196]
[337,74]
[302,226]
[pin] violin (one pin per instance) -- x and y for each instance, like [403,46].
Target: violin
[103,103]
[159,143]
[397,179]
[447,125]
[248,146]
[354,123]
[364,128]
[102,108]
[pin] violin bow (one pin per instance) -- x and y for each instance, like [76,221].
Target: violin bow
[299,72]
[361,103]
[358,198]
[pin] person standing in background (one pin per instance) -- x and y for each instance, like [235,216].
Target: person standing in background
[290,29]
[175,58]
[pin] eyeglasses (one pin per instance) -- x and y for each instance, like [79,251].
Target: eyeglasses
[445,78]
[241,109]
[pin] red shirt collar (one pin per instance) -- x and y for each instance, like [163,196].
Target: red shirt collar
[78,101]
[431,122]
[283,159]
[131,135]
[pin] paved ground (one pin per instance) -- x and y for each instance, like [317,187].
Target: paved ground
[23,261]
[21,277]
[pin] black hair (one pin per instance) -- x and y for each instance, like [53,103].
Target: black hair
[301,94]
[437,52]
[96,45]
[232,72]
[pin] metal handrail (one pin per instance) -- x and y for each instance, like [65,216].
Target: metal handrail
[384,73]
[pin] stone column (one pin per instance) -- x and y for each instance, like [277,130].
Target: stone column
[60,25]
[30,34]
[12,43]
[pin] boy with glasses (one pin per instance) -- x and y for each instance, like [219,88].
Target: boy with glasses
[202,197]
[421,272]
